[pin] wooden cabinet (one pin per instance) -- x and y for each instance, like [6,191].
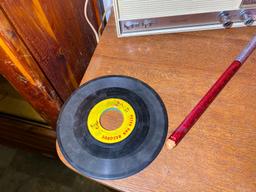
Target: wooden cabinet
[45,47]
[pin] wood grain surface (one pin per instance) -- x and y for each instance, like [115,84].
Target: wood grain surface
[219,153]
[18,66]
[57,35]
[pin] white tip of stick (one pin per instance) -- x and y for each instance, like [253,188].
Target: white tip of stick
[247,50]
[170,144]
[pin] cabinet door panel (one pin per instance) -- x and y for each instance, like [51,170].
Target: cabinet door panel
[57,36]
[18,66]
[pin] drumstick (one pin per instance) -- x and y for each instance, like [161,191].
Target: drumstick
[203,104]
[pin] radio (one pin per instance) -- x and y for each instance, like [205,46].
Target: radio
[145,17]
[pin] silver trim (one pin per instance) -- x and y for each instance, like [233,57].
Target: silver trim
[184,23]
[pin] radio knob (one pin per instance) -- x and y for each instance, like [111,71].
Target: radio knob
[225,19]
[247,18]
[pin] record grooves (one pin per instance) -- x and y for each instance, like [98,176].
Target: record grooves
[112,154]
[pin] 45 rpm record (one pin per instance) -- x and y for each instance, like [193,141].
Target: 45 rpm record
[112,154]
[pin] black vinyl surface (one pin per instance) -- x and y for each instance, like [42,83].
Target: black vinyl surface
[112,161]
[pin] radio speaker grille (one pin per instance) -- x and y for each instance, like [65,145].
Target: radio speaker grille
[139,9]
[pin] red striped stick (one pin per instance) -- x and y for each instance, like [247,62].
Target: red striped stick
[204,103]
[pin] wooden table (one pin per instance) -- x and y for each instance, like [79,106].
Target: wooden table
[219,153]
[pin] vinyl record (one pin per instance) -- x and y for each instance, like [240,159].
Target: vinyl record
[112,154]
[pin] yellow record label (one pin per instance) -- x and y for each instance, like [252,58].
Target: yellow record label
[111,136]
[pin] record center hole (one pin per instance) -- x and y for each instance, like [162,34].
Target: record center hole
[111,119]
